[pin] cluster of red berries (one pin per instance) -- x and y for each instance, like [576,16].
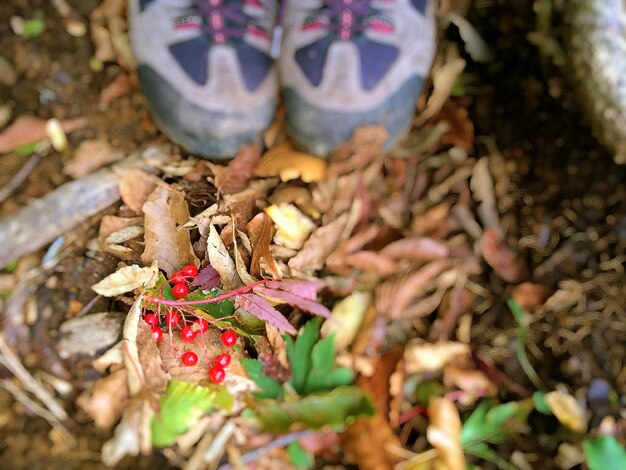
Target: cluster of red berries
[216,372]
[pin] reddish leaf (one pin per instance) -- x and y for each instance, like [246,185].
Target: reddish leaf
[29,129]
[304,304]
[119,87]
[208,278]
[504,261]
[239,171]
[419,249]
[305,289]
[258,307]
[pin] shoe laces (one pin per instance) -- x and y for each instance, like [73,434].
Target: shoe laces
[222,20]
[349,14]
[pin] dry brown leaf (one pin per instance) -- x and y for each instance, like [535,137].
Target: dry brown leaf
[29,129]
[221,261]
[119,87]
[320,244]
[395,295]
[287,163]
[155,377]
[567,410]
[483,188]
[88,335]
[90,156]
[370,261]
[420,356]
[259,230]
[457,303]
[433,222]
[444,432]
[292,226]
[128,279]
[473,382]
[370,442]
[239,172]
[135,187]
[416,249]
[504,261]
[166,241]
[106,401]
[461,131]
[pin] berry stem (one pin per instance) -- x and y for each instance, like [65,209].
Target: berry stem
[214,300]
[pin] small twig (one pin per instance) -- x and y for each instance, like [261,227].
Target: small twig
[85,310]
[39,410]
[12,362]
[282,441]
[19,177]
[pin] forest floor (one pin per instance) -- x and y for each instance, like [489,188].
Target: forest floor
[478,268]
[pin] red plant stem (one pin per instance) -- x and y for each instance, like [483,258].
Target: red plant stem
[214,300]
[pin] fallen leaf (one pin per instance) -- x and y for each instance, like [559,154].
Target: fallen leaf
[165,212]
[155,377]
[530,295]
[395,295]
[310,306]
[347,316]
[221,261]
[259,230]
[416,249]
[286,162]
[444,432]
[483,189]
[461,131]
[504,261]
[420,356]
[90,156]
[305,289]
[29,129]
[240,170]
[136,186]
[119,87]
[473,382]
[372,441]
[130,434]
[128,279]
[258,307]
[106,401]
[207,278]
[89,335]
[293,227]
[370,261]
[567,410]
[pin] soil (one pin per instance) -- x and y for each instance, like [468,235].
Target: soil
[570,199]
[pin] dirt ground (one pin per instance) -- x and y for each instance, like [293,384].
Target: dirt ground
[561,203]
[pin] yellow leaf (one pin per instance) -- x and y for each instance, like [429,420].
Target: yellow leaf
[286,162]
[293,227]
[567,410]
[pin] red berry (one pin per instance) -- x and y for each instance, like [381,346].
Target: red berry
[217,374]
[189,271]
[188,334]
[229,338]
[178,278]
[172,318]
[203,325]
[151,319]
[222,360]
[180,290]
[190,358]
[157,334]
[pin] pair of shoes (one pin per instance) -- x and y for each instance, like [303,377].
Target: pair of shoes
[207,70]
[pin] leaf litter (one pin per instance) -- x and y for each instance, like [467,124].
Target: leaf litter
[422,242]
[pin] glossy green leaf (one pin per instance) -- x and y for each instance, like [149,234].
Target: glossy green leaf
[337,409]
[604,452]
[540,404]
[299,457]
[299,353]
[324,375]
[492,423]
[270,388]
[181,406]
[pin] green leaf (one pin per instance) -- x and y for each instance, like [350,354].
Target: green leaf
[299,457]
[522,332]
[33,28]
[483,451]
[540,403]
[324,375]
[604,452]
[270,388]
[299,353]
[492,424]
[181,406]
[337,409]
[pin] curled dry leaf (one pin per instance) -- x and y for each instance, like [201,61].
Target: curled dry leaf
[259,230]
[106,401]
[91,155]
[29,129]
[293,227]
[239,172]
[567,410]
[422,357]
[287,163]
[444,432]
[135,187]
[221,261]
[128,279]
[166,241]
[347,317]
[504,261]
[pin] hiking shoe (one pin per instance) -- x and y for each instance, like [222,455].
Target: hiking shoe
[348,63]
[206,70]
